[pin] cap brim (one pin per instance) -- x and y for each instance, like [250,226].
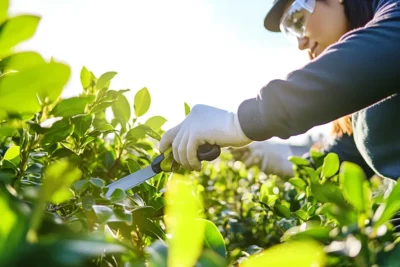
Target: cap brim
[273,17]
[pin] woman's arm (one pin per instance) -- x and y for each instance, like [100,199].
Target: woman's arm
[358,71]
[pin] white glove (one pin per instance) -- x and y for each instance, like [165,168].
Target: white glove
[271,157]
[204,124]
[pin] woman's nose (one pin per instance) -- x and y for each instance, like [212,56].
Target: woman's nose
[302,43]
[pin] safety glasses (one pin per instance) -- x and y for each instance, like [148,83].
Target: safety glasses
[294,21]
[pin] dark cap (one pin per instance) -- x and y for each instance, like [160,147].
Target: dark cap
[273,17]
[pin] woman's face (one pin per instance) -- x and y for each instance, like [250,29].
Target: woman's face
[325,26]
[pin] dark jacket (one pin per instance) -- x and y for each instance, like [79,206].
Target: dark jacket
[359,75]
[346,149]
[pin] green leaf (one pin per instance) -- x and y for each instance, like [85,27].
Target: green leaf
[46,80]
[85,77]
[331,165]
[6,130]
[88,202]
[12,227]
[82,124]
[80,186]
[71,106]
[352,180]
[299,161]
[294,253]
[106,128]
[105,214]
[389,257]
[15,30]
[264,194]
[7,175]
[101,106]
[122,109]
[138,200]
[187,109]
[158,252]
[140,132]
[147,226]
[133,166]
[329,192]
[282,210]
[8,165]
[145,211]
[13,155]
[314,178]
[210,258]
[213,239]
[342,215]
[4,4]
[58,178]
[302,214]
[62,196]
[317,157]
[9,219]
[120,213]
[389,208]
[156,122]
[142,102]
[97,182]
[67,251]
[104,80]
[117,196]
[308,230]
[21,61]
[182,209]
[298,182]
[58,132]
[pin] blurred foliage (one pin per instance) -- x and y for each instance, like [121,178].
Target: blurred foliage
[57,156]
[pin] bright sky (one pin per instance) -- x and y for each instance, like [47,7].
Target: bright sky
[199,51]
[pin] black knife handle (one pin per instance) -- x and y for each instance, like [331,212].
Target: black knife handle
[208,152]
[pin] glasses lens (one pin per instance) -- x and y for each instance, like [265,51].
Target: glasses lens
[295,19]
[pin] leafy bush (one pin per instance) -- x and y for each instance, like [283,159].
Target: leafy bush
[58,155]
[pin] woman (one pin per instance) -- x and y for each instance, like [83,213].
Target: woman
[354,71]
[272,157]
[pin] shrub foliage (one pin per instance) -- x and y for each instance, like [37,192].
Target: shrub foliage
[58,155]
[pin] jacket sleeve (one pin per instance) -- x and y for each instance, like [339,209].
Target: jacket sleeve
[346,149]
[362,68]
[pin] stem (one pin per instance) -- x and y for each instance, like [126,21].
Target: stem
[24,160]
[115,165]
[22,164]
[117,161]
[266,206]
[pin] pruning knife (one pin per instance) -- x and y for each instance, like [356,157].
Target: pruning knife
[162,163]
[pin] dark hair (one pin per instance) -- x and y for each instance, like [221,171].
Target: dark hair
[358,12]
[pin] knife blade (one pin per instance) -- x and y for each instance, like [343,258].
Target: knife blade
[205,152]
[131,180]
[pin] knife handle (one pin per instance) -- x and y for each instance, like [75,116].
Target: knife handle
[165,162]
[208,152]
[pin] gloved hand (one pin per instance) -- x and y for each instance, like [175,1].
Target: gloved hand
[204,124]
[270,157]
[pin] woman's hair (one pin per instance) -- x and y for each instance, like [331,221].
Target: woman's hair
[342,126]
[358,12]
